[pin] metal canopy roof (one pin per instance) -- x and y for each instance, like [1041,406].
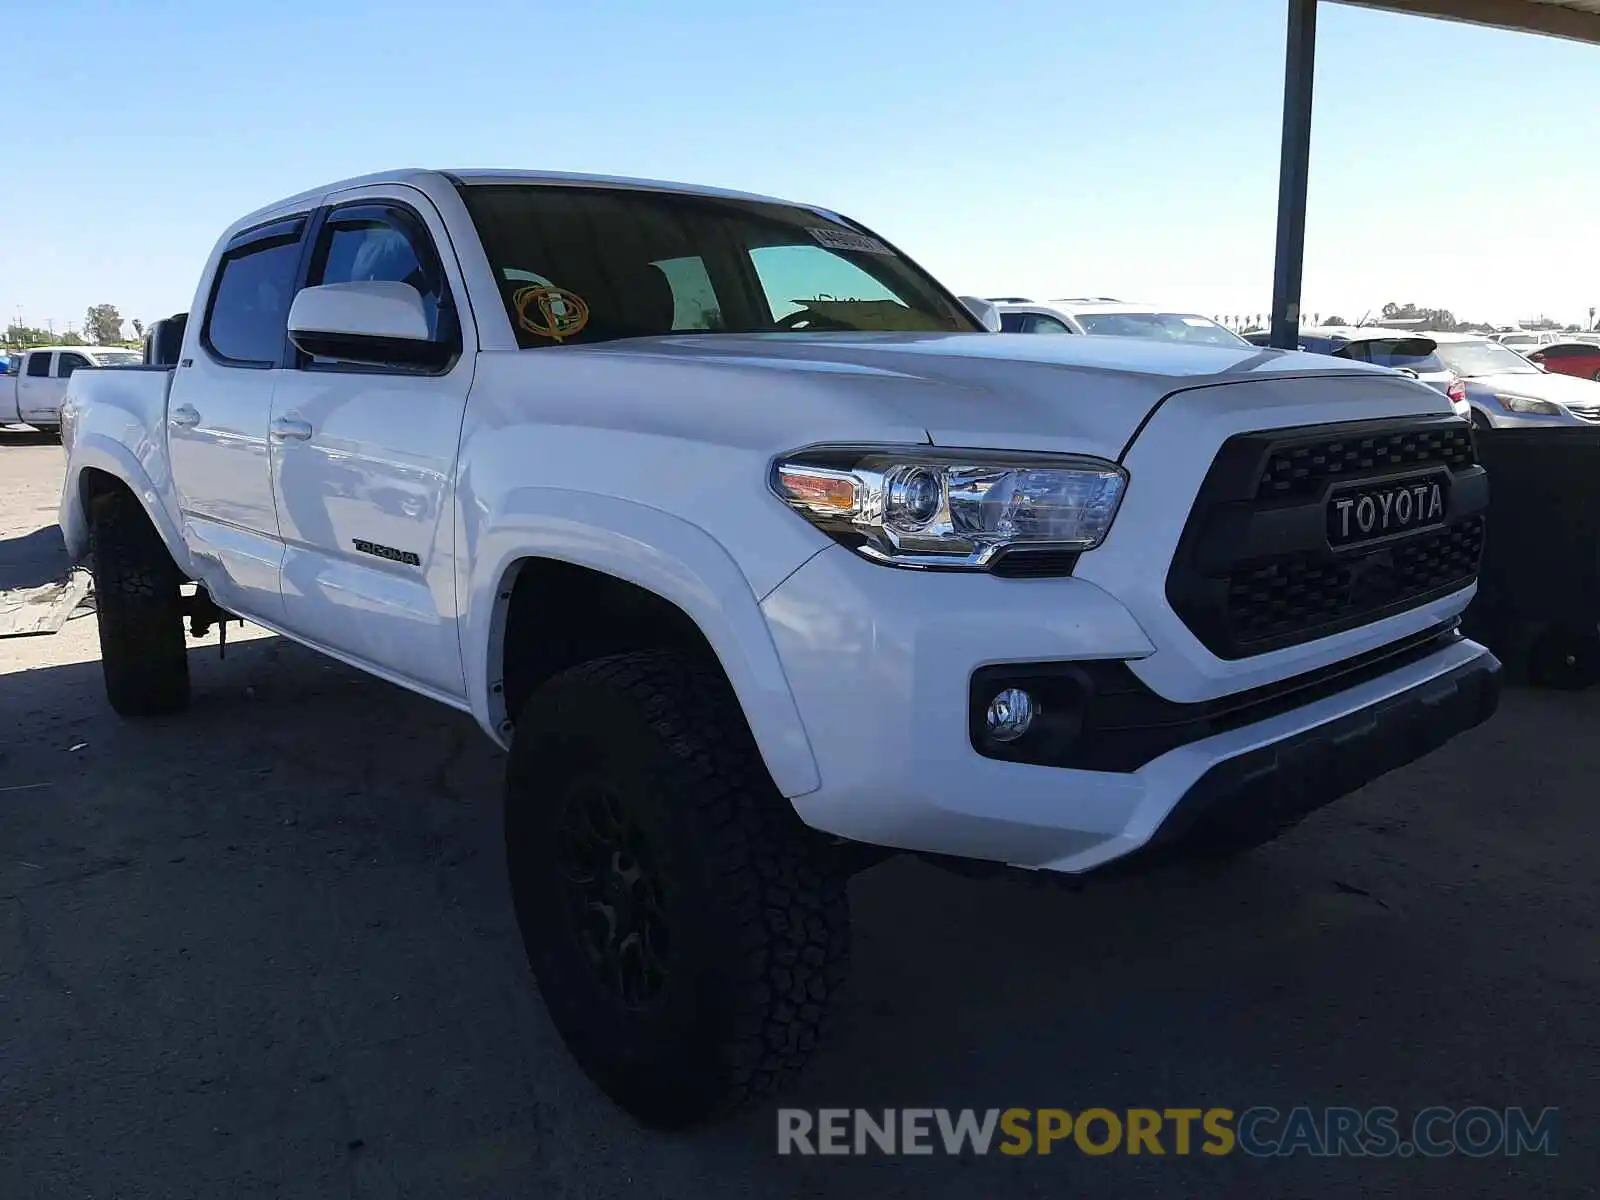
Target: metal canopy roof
[1576,19]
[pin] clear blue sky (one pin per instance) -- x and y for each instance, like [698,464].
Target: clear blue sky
[1094,146]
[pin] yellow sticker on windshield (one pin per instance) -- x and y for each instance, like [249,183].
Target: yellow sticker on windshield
[550,312]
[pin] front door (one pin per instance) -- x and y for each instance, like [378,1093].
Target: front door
[217,419]
[364,459]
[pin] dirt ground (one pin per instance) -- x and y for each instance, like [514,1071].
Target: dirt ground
[266,949]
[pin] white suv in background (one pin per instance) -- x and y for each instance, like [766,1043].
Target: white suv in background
[1522,340]
[1116,318]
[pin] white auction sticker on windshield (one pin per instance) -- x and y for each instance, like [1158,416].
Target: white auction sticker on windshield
[843,239]
[1198,322]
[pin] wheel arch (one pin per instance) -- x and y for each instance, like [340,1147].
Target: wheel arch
[562,577]
[97,465]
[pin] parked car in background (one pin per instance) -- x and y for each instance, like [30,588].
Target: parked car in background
[1579,359]
[1114,318]
[1506,389]
[1409,353]
[1523,339]
[33,391]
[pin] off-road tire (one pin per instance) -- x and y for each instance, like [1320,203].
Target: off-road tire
[754,905]
[138,606]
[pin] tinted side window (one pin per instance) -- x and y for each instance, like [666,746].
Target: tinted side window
[375,243]
[1011,322]
[1039,323]
[250,301]
[39,365]
[66,364]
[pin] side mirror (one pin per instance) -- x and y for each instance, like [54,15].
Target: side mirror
[369,322]
[987,313]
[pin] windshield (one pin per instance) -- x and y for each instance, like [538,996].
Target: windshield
[1519,339]
[1168,327]
[579,265]
[1484,358]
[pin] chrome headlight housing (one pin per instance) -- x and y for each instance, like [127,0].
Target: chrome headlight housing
[1529,404]
[927,507]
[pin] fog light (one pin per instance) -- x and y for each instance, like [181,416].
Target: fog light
[1010,715]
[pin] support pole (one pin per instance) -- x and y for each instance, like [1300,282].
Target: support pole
[1294,169]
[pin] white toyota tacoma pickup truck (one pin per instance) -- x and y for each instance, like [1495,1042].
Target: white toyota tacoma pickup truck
[756,548]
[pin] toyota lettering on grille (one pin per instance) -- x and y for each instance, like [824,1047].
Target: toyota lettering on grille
[1383,510]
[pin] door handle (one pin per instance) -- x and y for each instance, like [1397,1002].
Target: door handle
[185,416]
[286,429]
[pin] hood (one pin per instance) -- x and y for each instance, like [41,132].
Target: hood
[1004,391]
[1561,389]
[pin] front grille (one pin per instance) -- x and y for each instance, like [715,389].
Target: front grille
[1304,469]
[1298,591]
[1255,571]
[1589,412]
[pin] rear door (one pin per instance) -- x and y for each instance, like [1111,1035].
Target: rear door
[364,468]
[217,417]
[35,386]
[67,361]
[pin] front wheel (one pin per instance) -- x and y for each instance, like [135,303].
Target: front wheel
[138,605]
[687,931]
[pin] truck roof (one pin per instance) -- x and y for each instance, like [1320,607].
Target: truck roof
[472,175]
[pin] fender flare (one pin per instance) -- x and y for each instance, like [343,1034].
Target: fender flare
[653,550]
[92,450]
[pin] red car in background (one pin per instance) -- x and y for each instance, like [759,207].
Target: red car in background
[1581,359]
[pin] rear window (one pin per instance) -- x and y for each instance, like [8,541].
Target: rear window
[116,358]
[1168,327]
[1412,354]
[1015,322]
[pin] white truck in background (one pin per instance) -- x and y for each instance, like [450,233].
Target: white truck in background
[32,394]
[762,556]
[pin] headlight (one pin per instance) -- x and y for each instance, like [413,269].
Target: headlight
[925,507]
[1527,404]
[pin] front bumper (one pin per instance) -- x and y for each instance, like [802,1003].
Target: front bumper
[1252,796]
[880,663]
